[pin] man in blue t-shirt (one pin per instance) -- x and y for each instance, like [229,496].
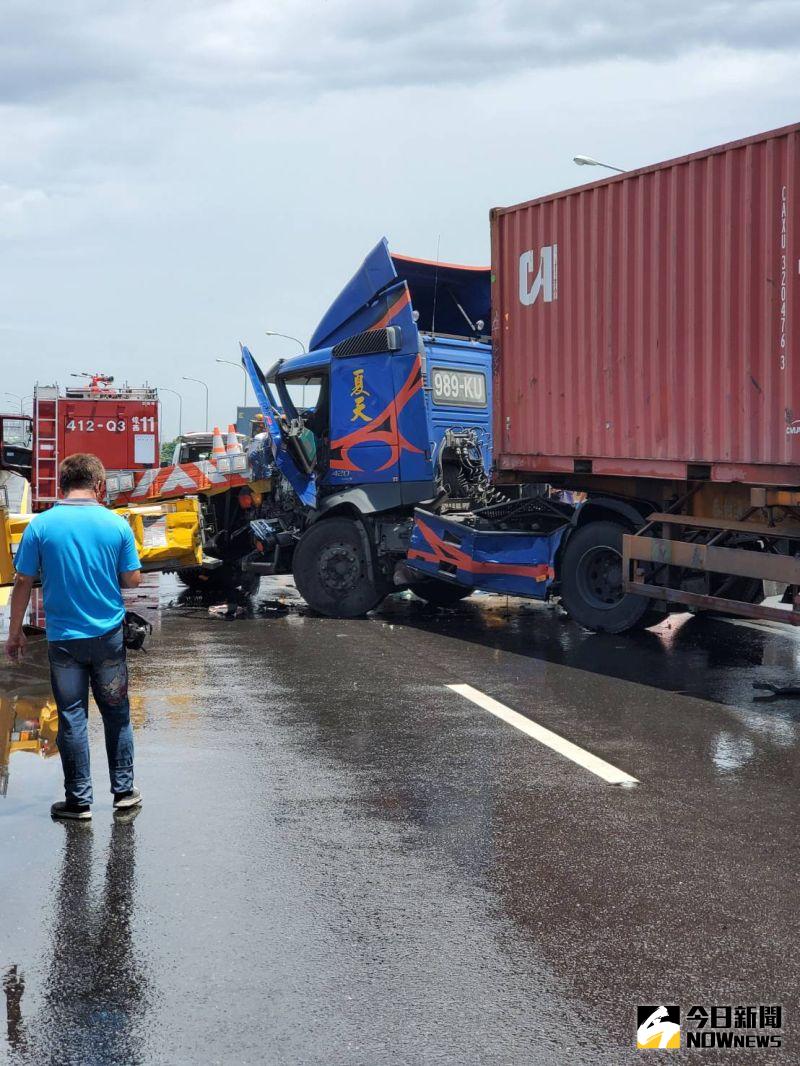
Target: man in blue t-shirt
[84,555]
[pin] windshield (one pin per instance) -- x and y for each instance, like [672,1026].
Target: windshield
[304,390]
[308,392]
[16,431]
[193,453]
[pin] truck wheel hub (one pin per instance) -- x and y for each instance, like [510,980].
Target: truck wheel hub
[599,577]
[339,567]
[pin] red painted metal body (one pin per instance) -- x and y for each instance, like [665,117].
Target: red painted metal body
[649,324]
[122,432]
[119,426]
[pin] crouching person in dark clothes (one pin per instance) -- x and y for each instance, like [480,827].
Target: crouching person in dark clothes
[84,554]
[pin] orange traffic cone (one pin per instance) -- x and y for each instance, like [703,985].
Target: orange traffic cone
[217,447]
[232,446]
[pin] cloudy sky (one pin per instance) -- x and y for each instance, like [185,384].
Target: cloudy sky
[178,176]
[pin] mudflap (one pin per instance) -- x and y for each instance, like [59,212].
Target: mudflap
[519,564]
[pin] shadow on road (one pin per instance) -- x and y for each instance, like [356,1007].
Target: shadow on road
[699,656]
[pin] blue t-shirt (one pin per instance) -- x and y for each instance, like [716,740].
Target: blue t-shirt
[80,549]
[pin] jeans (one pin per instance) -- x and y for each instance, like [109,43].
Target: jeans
[74,665]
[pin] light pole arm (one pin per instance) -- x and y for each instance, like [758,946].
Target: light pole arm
[200,382]
[286,337]
[229,362]
[587,161]
[163,388]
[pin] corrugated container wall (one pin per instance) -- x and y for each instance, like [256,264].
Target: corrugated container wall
[649,322]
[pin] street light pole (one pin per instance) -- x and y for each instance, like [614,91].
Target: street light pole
[289,337]
[16,397]
[286,337]
[199,382]
[229,362]
[162,388]
[587,161]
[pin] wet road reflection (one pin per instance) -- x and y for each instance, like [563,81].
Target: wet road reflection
[684,654]
[28,718]
[618,892]
[338,861]
[703,657]
[95,989]
[28,715]
[27,724]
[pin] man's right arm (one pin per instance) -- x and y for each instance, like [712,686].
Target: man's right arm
[20,598]
[28,563]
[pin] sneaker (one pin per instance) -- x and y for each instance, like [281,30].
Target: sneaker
[76,812]
[122,800]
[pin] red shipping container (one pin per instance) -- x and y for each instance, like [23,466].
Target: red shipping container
[647,324]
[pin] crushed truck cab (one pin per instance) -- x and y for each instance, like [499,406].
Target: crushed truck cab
[382,479]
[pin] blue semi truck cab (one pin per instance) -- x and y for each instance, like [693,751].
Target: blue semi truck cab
[379,445]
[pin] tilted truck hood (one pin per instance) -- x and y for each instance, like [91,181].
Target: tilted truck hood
[346,315]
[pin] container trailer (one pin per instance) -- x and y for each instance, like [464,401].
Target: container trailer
[645,335]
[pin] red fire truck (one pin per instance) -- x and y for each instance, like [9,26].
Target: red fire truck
[117,424]
[206,501]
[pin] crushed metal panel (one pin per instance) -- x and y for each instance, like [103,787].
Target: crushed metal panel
[520,564]
[176,543]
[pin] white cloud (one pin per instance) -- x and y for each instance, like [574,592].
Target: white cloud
[178,176]
[249,49]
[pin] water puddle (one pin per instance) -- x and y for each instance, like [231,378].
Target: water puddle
[28,715]
[28,719]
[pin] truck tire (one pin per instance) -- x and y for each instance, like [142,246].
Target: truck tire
[591,582]
[439,593]
[332,572]
[223,578]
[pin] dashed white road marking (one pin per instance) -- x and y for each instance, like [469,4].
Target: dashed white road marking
[600,767]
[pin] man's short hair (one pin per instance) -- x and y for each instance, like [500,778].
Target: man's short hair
[80,471]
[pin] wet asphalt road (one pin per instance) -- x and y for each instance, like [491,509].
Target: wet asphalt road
[340,860]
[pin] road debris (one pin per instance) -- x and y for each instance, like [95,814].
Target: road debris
[774,691]
[272,608]
[229,612]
